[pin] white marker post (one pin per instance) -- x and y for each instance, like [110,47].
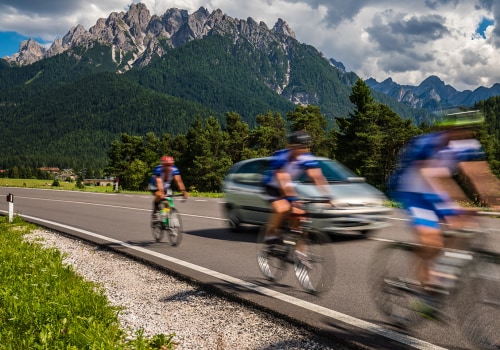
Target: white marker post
[10,199]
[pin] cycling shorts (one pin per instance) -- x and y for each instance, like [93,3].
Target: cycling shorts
[427,209]
[272,193]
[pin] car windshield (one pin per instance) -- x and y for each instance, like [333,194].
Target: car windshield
[333,171]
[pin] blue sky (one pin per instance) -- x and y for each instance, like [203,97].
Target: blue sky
[483,25]
[10,41]
[456,40]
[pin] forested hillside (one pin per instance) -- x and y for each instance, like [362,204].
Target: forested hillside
[66,110]
[367,141]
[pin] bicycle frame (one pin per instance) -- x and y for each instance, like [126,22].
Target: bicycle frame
[170,223]
[316,269]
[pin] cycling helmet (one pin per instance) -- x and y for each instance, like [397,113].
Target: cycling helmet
[167,160]
[465,119]
[301,138]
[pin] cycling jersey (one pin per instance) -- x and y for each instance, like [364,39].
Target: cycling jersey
[281,161]
[158,171]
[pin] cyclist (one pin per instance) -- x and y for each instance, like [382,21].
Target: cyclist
[286,166]
[160,184]
[421,187]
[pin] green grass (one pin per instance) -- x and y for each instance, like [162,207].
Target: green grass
[71,186]
[44,304]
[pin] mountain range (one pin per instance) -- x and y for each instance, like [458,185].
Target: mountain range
[135,73]
[432,94]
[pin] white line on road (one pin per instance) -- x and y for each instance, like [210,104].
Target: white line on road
[117,206]
[367,326]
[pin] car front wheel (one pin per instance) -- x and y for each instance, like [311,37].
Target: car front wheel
[232,219]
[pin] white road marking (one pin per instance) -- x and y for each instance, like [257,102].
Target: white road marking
[367,326]
[116,206]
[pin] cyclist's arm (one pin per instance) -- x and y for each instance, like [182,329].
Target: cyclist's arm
[319,180]
[434,173]
[180,185]
[159,186]
[286,184]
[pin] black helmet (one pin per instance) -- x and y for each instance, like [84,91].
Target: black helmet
[299,138]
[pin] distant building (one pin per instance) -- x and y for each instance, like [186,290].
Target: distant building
[50,170]
[98,182]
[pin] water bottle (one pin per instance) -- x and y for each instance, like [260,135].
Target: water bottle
[164,215]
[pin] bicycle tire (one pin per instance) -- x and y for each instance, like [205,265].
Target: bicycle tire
[319,276]
[392,278]
[158,231]
[272,266]
[175,231]
[481,319]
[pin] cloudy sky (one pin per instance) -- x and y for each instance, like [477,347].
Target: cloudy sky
[457,40]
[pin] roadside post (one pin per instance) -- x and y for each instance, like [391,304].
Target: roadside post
[10,200]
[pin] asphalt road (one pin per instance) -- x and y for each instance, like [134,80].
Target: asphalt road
[211,254]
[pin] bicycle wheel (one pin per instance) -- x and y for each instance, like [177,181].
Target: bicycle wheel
[272,265]
[395,288]
[158,231]
[316,272]
[174,230]
[481,321]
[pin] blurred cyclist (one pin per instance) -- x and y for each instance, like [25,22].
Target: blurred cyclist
[160,184]
[421,187]
[286,166]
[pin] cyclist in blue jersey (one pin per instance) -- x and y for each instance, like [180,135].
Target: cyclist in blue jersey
[421,186]
[286,166]
[160,184]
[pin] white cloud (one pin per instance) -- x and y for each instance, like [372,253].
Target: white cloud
[406,40]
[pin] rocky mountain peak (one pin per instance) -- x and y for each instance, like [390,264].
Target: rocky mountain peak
[29,52]
[139,32]
[281,27]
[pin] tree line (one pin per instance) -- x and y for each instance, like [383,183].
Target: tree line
[367,141]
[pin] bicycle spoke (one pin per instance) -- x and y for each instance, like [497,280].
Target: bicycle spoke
[395,291]
[157,231]
[272,265]
[175,231]
[317,273]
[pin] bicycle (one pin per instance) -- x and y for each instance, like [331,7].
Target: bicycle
[170,223]
[470,278]
[316,278]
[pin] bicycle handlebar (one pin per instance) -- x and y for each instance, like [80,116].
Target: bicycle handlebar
[315,200]
[172,196]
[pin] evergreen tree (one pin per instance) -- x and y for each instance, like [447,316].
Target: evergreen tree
[238,133]
[370,139]
[210,161]
[268,136]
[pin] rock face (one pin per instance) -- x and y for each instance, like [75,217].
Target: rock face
[432,94]
[138,32]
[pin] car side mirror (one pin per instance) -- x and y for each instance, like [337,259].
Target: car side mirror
[356,179]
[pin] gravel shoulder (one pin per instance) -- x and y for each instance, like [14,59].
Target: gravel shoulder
[157,302]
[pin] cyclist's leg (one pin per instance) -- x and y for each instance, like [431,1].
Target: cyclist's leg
[297,215]
[426,223]
[156,204]
[279,209]
[432,244]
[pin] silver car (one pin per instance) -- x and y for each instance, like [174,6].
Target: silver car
[358,207]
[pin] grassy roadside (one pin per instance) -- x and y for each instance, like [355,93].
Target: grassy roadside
[71,186]
[44,304]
